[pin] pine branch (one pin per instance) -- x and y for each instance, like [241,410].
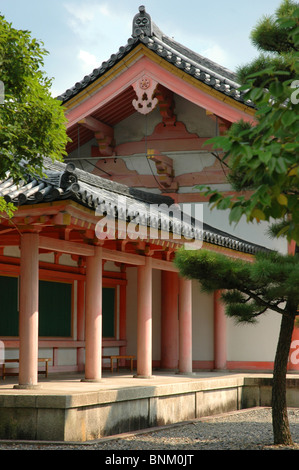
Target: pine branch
[267,305]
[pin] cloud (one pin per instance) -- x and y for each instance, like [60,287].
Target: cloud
[79,17]
[216,54]
[88,61]
[86,18]
[97,27]
[104,10]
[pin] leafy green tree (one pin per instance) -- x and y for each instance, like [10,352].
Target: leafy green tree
[32,122]
[250,289]
[262,157]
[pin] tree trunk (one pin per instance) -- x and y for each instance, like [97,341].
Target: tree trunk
[281,428]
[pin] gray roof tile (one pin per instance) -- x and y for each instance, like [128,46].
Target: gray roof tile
[196,65]
[65,182]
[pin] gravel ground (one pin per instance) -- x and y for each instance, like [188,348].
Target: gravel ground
[244,430]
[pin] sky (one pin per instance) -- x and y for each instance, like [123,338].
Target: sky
[81,34]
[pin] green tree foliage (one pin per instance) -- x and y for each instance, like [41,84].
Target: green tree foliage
[249,289]
[262,157]
[32,122]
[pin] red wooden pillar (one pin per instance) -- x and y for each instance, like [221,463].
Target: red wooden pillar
[169,320]
[28,317]
[144,320]
[219,333]
[93,312]
[185,326]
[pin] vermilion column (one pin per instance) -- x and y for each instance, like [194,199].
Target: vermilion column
[185,326]
[169,320]
[93,313]
[28,317]
[219,333]
[144,320]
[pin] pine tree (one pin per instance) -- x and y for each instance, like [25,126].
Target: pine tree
[250,289]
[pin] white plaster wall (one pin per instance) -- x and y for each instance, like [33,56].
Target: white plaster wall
[46,352]
[253,342]
[67,260]
[12,353]
[249,342]
[47,257]
[109,352]
[202,324]
[66,357]
[251,232]
[111,267]
[190,162]
[194,118]
[136,126]
[78,156]
[13,251]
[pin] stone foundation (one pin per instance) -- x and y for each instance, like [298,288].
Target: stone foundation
[91,415]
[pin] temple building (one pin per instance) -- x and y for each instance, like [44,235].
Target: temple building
[86,262]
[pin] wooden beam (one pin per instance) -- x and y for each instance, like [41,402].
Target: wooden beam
[164,265]
[96,126]
[64,246]
[9,240]
[103,133]
[45,343]
[121,257]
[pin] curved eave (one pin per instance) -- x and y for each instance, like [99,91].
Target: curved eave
[136,54]
[80,215]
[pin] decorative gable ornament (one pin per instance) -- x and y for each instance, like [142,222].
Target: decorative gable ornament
[142,24]
[144,89]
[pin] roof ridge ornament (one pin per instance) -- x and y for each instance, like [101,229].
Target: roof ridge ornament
[142,24]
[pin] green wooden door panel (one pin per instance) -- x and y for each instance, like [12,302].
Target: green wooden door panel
[9,315]
[108,312]
[55,309]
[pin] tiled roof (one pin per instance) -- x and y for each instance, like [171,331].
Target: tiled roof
[65,182]
[146,32]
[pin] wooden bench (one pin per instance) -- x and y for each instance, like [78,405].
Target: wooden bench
[118,357]
[46,360]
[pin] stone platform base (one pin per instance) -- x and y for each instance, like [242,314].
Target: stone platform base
[70,412]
